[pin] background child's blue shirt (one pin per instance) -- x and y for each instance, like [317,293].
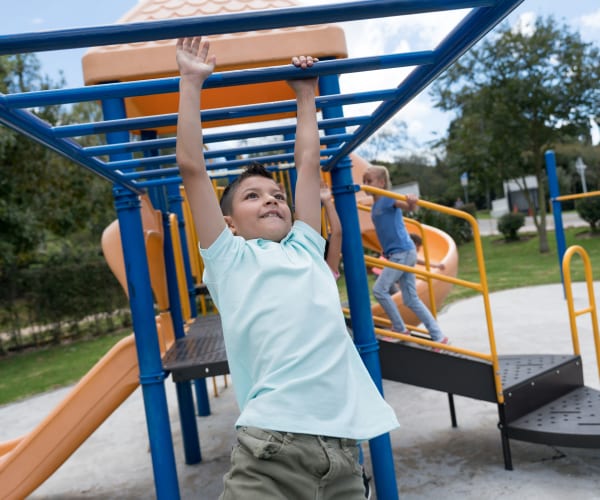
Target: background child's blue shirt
[293,364]
[389,226]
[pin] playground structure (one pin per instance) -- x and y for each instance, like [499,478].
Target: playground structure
[128,108]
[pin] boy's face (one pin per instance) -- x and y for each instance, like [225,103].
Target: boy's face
[260,210]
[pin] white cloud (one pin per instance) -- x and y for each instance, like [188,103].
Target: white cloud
[591,21]
[525,24]
[394,36]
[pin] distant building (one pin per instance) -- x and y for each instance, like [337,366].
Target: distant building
[516,193]
[515,199]
[408,188]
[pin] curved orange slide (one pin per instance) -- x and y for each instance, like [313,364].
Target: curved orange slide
[27,462]
[441,248]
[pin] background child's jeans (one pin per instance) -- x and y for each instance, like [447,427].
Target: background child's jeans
[384,286]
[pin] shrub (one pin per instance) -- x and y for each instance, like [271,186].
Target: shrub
[458,229]
[509,224]
[589,210]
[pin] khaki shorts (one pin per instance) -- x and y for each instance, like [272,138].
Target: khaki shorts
[278,465]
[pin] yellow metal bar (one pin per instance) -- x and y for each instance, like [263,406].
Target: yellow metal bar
[481,287]
[378,262]
[577,196]
[385,332]
[566,266]
[179,269]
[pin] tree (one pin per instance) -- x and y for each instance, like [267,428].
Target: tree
[43,196]
[516,95]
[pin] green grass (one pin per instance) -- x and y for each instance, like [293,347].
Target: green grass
[31,372]
[518,264]
[508,265]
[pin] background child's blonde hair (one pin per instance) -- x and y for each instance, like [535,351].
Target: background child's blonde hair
[381,173]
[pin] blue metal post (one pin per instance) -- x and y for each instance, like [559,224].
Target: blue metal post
[293,173]
[187,417]
[141,302]
[554,189]
[175,200]
[175,206]
[152,375]
[358,294]
[156,193]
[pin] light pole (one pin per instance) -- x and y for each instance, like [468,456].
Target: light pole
[580,166]
[464,182]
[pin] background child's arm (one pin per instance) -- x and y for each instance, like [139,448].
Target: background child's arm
[409,205]
[335,226]
[195,67]
[439,266]
[307,148]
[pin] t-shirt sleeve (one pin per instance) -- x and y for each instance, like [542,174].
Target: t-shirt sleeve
[310,238]
[221,255]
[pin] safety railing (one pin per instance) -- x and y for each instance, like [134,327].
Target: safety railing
[591,308]
[480,287]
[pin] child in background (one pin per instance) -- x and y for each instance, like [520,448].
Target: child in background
[305,396]
[398,247]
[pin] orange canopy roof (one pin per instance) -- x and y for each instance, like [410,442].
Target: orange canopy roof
[156,59]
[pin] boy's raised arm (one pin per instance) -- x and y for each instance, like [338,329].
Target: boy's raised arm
[195,66]
[307,148]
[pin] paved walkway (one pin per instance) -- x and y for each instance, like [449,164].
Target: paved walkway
[432,460]
[570,219]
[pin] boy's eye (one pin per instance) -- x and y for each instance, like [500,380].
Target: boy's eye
[280,197]
[251,195]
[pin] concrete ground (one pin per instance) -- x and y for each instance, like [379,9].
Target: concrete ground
[432,459]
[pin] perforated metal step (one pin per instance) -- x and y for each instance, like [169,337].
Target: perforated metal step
[533,380]
[516,369]
[201,353]
[571,420]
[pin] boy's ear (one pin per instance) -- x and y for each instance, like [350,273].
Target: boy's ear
[229,221]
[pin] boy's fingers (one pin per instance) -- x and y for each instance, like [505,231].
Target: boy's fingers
[304,61]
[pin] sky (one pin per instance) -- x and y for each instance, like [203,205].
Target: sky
[364,38]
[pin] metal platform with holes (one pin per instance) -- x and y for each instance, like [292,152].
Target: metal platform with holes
[200,354]
[545,400]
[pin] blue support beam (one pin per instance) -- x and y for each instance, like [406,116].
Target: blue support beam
[554,191]
[344,190]
[226,23]
[152,375]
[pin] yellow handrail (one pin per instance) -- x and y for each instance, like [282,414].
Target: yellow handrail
[577,196]
[481,287]
[566,266]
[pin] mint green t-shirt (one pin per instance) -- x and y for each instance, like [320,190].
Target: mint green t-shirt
[293,364]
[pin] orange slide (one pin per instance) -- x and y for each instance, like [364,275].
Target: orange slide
[441,248]
[27,462]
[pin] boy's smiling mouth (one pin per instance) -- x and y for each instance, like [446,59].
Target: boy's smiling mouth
[271,213]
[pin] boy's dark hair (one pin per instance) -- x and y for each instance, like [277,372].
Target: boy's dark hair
[252,170]
[416,239]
